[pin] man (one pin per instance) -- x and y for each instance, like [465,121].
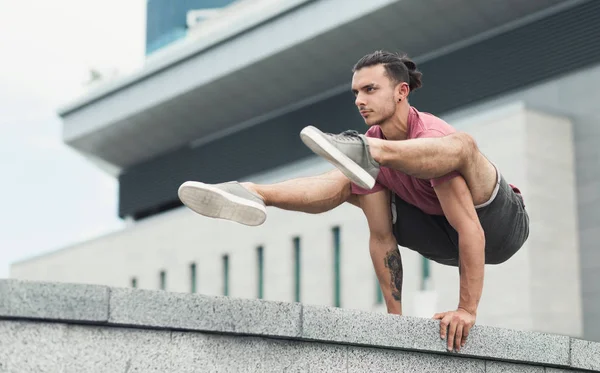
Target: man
[420,184]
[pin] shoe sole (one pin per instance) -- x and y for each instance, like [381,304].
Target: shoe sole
[318,143]
[213,202]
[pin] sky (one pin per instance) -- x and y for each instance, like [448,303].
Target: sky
[51,196]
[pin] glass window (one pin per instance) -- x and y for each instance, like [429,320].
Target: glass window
[336,267]
[226,275]
[166,20]
[193,278]
[425,273]
[261,271]
[163,280]
[297,269]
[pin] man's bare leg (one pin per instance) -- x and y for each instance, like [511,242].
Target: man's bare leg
[428,158]
[246,203]
[314,194]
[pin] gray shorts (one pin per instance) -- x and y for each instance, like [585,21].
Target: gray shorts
[503,219]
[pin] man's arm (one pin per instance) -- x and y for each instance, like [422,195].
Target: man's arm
[457,204]
[384,248]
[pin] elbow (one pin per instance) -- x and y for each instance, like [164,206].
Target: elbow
[474,235]
[382,240]
[480,235]
[381,237]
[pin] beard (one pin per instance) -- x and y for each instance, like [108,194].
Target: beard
[383,115]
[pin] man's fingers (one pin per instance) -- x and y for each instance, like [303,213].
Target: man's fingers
[454,328]
[466,330]
[459,335]
[452,331]
[444,326]
[439,316]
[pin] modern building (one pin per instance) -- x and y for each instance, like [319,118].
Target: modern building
[168,21]
[228,102]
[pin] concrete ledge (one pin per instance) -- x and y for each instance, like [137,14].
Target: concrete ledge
[360,327]
[51,301]
[585,354]
[161,309]
[47,327]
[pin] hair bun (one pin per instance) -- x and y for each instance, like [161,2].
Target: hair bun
[410,65]
[414,75]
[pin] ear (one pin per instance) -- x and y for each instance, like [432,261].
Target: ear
[402,91]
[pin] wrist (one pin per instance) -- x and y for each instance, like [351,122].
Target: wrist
[469,309]
[395,308]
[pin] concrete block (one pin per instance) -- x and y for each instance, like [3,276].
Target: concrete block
[362,359]
[585,354]
[112,350]
[54,301]
[501,367]
[369,328]
[518,345]
[221,353]
[204,313]
[4,296]
[215,353]
[52,347]
[101,350]
[27,347]
[284,356]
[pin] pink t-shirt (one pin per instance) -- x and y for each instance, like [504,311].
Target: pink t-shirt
[418,192]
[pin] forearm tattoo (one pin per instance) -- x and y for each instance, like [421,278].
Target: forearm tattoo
[393,262]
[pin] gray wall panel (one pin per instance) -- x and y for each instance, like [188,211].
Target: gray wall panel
[587,156]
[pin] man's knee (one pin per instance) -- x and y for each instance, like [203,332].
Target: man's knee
[467,150]
[468,145]
[335,175]
[336,181]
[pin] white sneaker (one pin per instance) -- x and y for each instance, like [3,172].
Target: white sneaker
[229,201]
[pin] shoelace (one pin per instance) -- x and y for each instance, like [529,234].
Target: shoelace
[347,136]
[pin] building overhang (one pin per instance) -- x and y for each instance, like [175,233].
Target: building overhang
[266,62]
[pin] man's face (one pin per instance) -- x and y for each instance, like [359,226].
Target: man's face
[374,93]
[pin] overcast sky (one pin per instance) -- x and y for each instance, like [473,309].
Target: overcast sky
[51,196]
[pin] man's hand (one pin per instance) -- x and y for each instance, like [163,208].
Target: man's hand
[457,324]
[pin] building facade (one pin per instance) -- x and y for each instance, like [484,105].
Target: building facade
[521,79]
[168,21]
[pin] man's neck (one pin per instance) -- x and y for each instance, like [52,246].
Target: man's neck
[396,128]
